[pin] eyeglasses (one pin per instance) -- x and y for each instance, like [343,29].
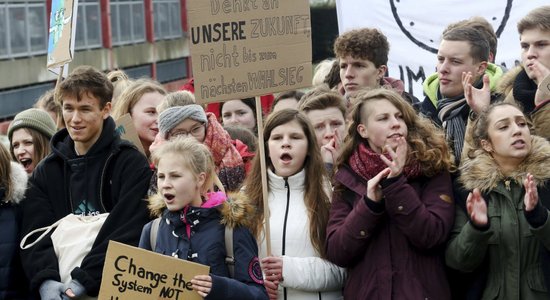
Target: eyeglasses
[195,131]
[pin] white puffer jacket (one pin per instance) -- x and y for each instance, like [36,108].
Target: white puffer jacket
[306,275]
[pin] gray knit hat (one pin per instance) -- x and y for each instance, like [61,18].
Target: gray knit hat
[171,117]
[36,119]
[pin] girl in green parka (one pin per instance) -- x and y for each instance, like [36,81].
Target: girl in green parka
[503,225]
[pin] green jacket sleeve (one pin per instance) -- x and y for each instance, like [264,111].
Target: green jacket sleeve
[467,246]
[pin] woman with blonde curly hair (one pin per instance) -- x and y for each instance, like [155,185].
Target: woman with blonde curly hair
[392,208]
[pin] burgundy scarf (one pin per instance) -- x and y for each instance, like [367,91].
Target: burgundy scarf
[368,163]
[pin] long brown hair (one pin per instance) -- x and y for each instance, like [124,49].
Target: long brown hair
[315,196]
[426,142]
[40,143]
[5,173]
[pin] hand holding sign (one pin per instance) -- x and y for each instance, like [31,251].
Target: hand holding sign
[133,273]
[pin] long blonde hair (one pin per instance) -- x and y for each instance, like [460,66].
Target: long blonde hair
[315,197]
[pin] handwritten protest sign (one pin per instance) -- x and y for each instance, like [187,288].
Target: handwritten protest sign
[247,48]
[127,131]
[61,35]
[133,273]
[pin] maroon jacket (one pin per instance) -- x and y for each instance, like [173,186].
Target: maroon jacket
[396,252]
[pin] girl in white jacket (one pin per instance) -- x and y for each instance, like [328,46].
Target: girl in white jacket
[299,206]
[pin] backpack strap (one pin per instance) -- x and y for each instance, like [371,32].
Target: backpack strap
[154,231]
[229,257]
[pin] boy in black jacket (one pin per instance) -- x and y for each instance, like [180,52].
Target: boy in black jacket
[90,171]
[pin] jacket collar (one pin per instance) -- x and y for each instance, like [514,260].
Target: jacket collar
[484,173]
[351,180]
[19,178]
[63,145]
[295,181]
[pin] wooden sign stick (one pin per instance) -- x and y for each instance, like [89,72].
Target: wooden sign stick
[261,152]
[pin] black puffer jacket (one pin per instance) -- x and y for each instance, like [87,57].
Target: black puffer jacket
[13,283]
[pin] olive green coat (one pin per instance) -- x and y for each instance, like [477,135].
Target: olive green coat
[511,246]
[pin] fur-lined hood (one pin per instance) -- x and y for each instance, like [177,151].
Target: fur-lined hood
[506,82]
[19,178]
[236,210]
[483,172]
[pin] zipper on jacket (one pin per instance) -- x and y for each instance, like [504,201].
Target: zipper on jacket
[284,225]
[67,188]
[507,184]
[105,167]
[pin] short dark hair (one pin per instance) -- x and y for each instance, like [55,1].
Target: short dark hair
[86,80]
[250,102]
[333,77]
[484,27]
[479,47]
[366,43]
[287,95]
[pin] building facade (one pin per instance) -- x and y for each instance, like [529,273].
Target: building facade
[145,38]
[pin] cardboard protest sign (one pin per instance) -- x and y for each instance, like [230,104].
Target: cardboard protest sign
[61,34]
[138,274]
[127,131]
[247,48]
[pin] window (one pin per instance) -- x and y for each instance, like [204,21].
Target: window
[167,19]
[23,29]
[127,21]
[88,27]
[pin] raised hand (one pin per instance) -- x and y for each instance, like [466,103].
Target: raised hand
[477,99]
[330,150]
[374,191]
[541,72]
[477,208]
[531,194]
[399,158]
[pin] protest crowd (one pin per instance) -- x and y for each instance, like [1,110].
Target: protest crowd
[372,193]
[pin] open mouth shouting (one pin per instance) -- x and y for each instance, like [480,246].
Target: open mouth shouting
[169,198]
[27,164]
[286,158]
[519,144]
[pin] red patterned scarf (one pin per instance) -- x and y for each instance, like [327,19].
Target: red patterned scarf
[221,145]
[228,161]
[368,163]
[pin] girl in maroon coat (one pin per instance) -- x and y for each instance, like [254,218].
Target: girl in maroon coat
[392,207]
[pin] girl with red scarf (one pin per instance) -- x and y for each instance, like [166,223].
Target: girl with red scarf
[392,207]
